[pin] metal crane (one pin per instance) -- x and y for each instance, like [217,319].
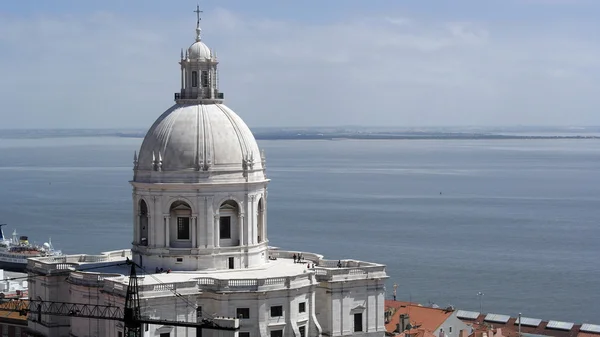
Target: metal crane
[130,316]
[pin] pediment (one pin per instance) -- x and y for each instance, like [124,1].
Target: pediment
[358,308]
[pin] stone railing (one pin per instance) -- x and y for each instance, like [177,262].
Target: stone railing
[88,279]
[52,264]
[286,254]
[116,286]
[271,283]
[49,268]
[331,274]
[119,286]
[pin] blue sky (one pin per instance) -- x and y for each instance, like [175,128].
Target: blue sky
[336,62]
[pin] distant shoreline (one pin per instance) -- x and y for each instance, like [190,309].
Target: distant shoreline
[332,135]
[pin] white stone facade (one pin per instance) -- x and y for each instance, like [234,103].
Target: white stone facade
[200,213]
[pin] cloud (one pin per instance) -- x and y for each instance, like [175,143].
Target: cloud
[106,70]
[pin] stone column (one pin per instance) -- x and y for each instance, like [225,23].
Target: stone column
[148,228]
[153,227]
[263,235]
[241,228]
[217,228]
[182,84]
[250,231]
[167,225]
[136,227]
[211,84]
[194,231]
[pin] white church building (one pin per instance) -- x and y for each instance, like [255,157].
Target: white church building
[200,235]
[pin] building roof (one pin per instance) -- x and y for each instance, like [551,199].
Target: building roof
[528,327]
[416,333]
[199,137]
[7,313]
[424,318]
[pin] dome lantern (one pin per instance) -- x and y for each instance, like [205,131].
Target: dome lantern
[199,75]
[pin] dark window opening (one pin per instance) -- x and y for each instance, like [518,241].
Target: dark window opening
[302,307]
[194,78]
[244,334]
[302,330]
[225,227]
[204,78]
[277,311]
[231,263]
[243,313]
[180,259]
[358,322]
[276,333]
[183,228]
[165,334]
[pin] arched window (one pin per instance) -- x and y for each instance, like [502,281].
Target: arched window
[228,220]
[194,78]
[204,79]
[181,213]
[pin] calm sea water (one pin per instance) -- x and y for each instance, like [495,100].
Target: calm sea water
[518,220]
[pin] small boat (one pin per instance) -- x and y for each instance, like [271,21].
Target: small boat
[14,252]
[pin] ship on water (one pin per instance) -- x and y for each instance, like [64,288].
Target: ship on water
[15,251]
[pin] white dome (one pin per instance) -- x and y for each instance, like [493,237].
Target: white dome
[199,141]
[199,50]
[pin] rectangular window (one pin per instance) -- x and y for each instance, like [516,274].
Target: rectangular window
[302,330]
[450,329]
[358,324]
[204,78]
[243,313]
[165,334]
[120,333]
[302,307]
[244,334]
[225,227]
[183,228]
[276,333]
[276,311]
[194,79]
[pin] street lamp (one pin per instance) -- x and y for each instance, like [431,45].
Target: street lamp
[395,287]
[480,294]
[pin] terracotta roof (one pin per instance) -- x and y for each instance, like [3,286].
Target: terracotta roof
[416,333]
[7,311]
[423,318]
[510,329]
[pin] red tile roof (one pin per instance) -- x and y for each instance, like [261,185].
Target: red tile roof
[510,329]
[422,318]
[7,310]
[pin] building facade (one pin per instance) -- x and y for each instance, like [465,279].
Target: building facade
[200,238]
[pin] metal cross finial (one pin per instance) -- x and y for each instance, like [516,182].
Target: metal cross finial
[198,11]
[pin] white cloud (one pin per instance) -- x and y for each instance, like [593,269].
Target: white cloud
[108,71]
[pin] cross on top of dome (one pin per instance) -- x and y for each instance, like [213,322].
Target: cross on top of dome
[198,29]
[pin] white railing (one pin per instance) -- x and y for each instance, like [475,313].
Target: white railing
[52,264]
[328,269]
[88,279]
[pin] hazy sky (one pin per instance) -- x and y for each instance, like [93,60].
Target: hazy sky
[311,62]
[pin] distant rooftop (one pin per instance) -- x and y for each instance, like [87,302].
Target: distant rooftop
[530,327]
